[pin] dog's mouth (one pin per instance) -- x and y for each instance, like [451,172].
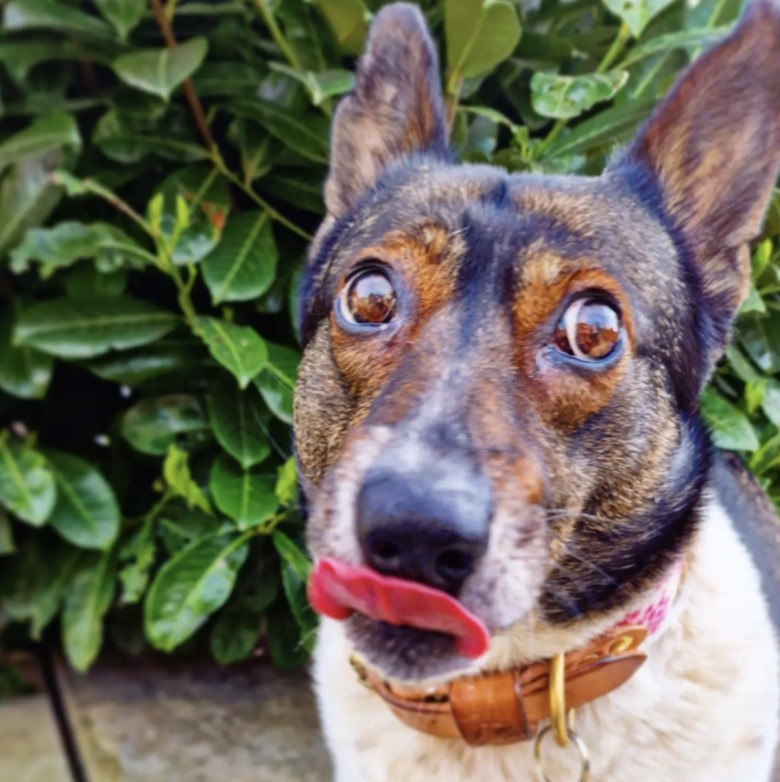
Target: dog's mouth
[339,590]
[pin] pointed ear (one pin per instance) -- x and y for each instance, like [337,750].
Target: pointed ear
[396,108]
[713,149]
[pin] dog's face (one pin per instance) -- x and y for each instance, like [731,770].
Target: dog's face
[498,392]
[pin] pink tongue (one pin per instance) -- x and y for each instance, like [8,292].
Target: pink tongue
[336,589]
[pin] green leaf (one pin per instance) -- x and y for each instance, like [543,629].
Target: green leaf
[34,582]
[771,402]
[247,496]
[293,555]
[603,129]
[238,348]
[277,381]
[284,639]
[68,242]
[86,512]
[767,457]
[141,551]
[347,19]
[53,15]
[160,71]
[731,428]
[166,357]
[88,599]
[124,15]
[6,535]
[235,634]
[564,97]
[27,486]
[243,265]
[180,525]
[88,327]
[685,39]
[306,134]
[287,483]
[24,372]
[637,14]
[320,85]
[27,194]
[118,139]
[153,425]
[240,422]
[43,135]
[189,210]
[191,586]
[480,34]
[176,471]
[86,282]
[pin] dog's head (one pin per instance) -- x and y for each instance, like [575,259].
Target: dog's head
[498,392]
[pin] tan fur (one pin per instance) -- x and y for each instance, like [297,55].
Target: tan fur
[700,709]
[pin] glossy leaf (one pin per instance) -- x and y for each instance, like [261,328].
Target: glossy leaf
[277,380]
[247,496]
[27,486]
[86,512]
[320,85]
[160,71]
[86,603]
[238,348]
[152,425]
[43,135]
[7,545]
[176,471]
[68,242]
[637,14]
[53,15]
[240,422]
[480,34]
[191,586]
[83,328]
[287,483]
[564,97]
[347,19]
[307,134]
[731,428]
[24,371]
[242,266]
[124,15]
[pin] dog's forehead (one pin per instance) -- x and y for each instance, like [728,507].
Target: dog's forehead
[519,220]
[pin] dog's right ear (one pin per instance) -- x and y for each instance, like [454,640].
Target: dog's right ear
[396,108]
[712,152]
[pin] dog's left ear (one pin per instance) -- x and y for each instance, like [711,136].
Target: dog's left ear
[396,108]
[713,150]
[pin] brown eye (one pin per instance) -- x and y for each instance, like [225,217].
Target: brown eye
[368,298]
[589,330]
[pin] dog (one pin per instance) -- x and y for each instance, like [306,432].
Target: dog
[514,507]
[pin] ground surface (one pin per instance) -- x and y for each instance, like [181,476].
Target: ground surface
[169,723]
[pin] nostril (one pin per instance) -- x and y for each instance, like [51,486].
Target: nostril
[454,565]
[386,551]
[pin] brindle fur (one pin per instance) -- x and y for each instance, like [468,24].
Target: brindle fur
[597,475]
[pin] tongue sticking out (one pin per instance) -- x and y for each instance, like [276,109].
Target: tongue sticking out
[336,589]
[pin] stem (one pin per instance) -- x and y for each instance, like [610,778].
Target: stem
[277,35]
[158,506]
[454,87]
[216,159]
[614,50]
[191,97]
[624,33]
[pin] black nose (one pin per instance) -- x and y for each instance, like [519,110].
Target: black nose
[429,526]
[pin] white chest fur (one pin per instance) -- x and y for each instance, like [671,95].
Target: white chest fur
[703,708]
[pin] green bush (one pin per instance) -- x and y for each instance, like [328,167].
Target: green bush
[156,199]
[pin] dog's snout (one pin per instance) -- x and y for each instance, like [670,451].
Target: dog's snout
[427,528]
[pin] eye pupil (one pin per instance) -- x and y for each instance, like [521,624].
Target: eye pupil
[370,298]
[589,329]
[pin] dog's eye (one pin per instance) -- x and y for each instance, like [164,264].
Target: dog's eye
[368,298]
[588,330]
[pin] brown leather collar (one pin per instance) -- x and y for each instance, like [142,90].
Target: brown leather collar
[506,706]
